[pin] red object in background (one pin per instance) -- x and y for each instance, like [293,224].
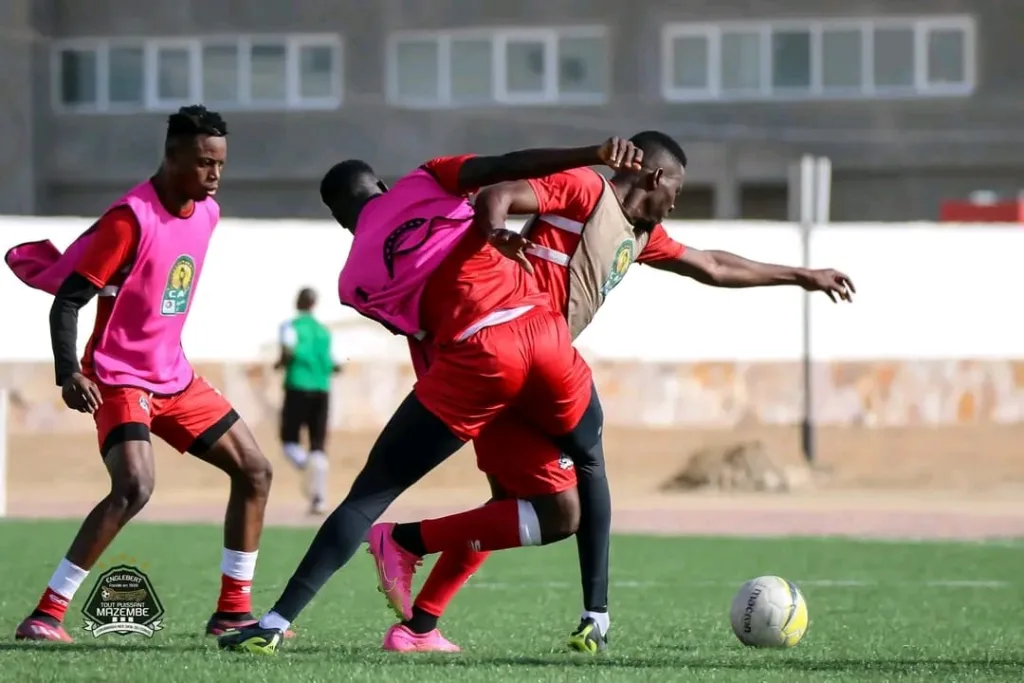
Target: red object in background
[962,211]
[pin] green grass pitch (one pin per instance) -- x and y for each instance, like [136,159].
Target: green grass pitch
[879,612]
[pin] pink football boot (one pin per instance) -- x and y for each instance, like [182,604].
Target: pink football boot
[395,568]
[35,628]
[400,639]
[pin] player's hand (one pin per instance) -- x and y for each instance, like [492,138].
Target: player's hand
[830,281]
[81,393]
[620,154]
[512,245]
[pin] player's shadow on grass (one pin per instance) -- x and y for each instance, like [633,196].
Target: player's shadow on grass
[973,665]
[30,648]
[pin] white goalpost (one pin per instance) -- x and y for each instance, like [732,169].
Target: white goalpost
[3,451]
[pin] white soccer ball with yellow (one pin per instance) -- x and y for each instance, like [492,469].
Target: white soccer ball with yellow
[769,611]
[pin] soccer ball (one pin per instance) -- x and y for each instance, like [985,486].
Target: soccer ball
[769,611]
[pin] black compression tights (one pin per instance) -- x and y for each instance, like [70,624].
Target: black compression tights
[593,539]
[412,444]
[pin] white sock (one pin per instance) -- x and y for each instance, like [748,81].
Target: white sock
[67,579]
[296,454]
[604,622]
[275,621]
[318,466]
[238,565]
[529,524]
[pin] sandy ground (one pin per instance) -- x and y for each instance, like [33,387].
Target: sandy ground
[919,483]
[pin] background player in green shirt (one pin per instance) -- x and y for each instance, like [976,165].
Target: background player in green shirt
[308,367]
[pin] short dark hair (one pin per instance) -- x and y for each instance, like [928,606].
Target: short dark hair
[306,298]
[195,120]
[348,178]
[659,148]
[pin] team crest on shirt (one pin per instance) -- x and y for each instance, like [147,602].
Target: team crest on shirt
[624,256]
[179,286]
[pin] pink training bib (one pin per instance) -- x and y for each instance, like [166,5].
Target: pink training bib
[400,239]
[141,343]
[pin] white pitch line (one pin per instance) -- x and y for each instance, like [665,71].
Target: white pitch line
[967,584]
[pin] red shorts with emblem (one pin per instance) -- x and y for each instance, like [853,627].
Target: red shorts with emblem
[521,459]
[528,362]
[190,421]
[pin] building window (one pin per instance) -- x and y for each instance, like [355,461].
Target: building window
[842,59]
[495,67]
[819,59]
[894,58]
[268,71]
[417,71]
[472,72]
[126,67]
[79,82]
[171,78]
[257,73]
[741,61]
[317,71]
[221,74]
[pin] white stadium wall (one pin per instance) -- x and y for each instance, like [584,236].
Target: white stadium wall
[933,337]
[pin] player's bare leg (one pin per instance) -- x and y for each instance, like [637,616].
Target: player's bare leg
[131,468]
[413,443]
[237,455]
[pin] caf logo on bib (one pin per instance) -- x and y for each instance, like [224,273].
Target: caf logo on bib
[620,264]
[179,286]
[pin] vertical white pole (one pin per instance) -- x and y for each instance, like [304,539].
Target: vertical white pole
[813,178]
[822,190]
[3,451]
[804,205]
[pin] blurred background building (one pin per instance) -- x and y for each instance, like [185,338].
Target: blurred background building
[915,101]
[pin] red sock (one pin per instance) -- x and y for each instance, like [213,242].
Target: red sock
[235,595]
[447,578]
[494,526]
[53,604]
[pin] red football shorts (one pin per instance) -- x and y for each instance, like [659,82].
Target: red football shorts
[521,459]
[528,362]
[180,419]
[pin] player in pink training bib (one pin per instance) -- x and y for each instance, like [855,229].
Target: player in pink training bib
[142,260]
[585,232]
[424,264]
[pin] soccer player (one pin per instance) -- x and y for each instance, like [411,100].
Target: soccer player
[584,234]
[308,367]
[143,259]
[424,267]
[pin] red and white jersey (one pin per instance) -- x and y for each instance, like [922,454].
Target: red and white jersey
[583,243]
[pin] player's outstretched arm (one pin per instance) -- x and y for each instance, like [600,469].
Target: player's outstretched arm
[477,172]
[725,269]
